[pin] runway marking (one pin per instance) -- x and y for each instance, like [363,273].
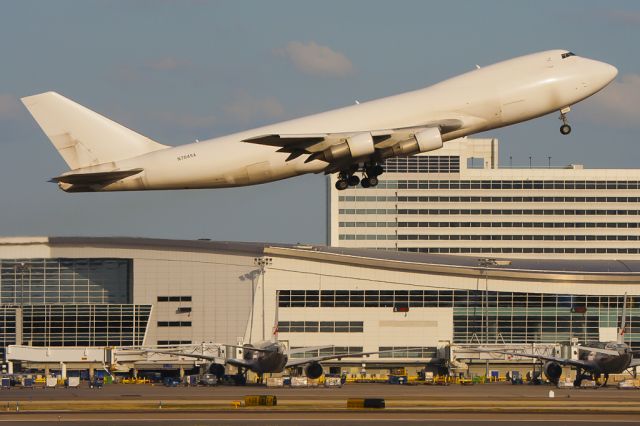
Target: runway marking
[347,419]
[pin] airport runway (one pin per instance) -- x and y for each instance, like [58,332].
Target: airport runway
[439,405]
[487,392]
[317,419]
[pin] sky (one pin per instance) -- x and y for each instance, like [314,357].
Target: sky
[177,71]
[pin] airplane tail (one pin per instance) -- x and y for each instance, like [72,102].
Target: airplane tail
[83,137]
[274,332]
[623,322]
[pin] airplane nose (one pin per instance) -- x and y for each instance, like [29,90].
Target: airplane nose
[605,73]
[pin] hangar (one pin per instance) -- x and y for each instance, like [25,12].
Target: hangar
[113,291]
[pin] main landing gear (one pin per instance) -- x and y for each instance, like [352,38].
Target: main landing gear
[565,129]
[370,173]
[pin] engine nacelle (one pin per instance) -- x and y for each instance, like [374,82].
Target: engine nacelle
[553,371]
[217,370]
[424,141]
[355,146]
[313,370]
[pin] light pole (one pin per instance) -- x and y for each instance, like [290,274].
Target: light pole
[22,268]
[262,263]
[485,263]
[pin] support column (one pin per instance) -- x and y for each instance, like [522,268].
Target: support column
[181,372]
[63,370]
[92,372]
[10,367]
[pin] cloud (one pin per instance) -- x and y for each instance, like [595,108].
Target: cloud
[168,63]
[618,103]
[10,107]
[315,59]
[246,108]
[625,16]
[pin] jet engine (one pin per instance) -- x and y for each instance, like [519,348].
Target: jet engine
[354,146]
[553,371]
[313,370]
[423,141]
[217,370]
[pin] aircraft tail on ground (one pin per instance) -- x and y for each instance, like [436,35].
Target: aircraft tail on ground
[83,137]
[623,322]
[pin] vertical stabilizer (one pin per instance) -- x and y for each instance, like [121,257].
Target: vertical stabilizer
[623,321]
[83,137]
[274,332]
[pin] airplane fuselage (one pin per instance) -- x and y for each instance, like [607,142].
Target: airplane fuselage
[602,363]
[272,361]
[490,97]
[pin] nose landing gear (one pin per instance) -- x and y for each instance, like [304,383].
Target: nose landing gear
[565,129]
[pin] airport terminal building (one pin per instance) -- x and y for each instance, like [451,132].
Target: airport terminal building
[457,200]
[82,291]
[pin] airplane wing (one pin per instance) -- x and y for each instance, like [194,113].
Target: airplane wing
[635,362]
[307,349]
[302,361]
[600,350]
[299,144]
[239,363]
[562,361]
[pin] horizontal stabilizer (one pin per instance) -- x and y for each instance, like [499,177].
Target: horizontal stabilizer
[95,178]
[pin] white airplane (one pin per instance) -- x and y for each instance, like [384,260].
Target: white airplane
[105,156]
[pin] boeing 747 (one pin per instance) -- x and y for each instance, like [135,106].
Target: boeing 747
[353,141]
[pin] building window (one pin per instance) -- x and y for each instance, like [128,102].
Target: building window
[174,323]
[173,342]
[174,298]
[321,327]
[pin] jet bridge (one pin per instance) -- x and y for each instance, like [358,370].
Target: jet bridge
[115,359]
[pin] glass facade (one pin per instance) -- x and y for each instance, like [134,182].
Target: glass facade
[70,302]
[490,316]
[7,328]
[84,325]
[335,350]
[61,281]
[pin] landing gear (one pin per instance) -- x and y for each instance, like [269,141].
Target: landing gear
[565,129]
[369,178]
[369,182]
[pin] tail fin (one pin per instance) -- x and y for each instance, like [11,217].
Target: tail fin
[623,322]
[83,137]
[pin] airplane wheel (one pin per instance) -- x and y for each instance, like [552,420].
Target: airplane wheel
[373,181]
[378,169]
[353,180]
[342,184]
[565,129]
[365,183]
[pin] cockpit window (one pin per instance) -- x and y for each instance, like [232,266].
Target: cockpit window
[567,54]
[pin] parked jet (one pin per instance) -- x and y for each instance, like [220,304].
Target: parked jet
[594,360]
[352,141]
[269,356]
